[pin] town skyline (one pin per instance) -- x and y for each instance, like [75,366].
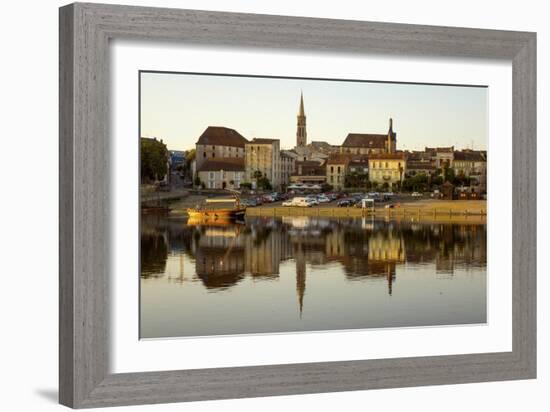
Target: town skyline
[178,108]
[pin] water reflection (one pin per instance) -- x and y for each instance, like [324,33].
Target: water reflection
[222,256]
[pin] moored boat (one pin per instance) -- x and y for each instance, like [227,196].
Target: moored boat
[198,213]
[205,212]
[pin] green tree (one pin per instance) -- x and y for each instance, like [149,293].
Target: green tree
[416,183]
[189,159]
[153,160]
[263,183]
[448,174]
[356,180]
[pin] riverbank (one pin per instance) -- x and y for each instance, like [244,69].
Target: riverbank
[428,210]
[425,210]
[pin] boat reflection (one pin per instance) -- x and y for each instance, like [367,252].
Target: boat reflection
[219,276]
[225,251]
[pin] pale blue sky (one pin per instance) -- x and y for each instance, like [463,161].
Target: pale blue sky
[178,107]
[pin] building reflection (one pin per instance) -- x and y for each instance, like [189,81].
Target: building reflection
[224,253]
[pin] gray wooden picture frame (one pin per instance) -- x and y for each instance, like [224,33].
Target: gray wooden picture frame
[85,32]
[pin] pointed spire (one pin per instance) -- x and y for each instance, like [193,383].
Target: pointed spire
[300,281]
[389,146]
[301,112]
[301,133]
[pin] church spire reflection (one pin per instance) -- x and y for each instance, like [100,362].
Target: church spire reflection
[226,254]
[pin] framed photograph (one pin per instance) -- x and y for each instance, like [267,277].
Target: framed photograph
[257,205]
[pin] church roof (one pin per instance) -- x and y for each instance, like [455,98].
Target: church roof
[222,136]
[367,140]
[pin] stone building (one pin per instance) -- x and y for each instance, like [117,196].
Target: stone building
[287,168]
[441,157]
[415,168]
[222,173]
[387,168]
[219,142]
[359,164]
[365,144]
[472,164]
[337,167]
[309,172]
[263,155]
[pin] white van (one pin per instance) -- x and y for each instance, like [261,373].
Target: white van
[298,201]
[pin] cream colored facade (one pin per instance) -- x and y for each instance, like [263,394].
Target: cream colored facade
[388,168]
[287,168]
[336,173]
[263,155]
[205,152]
[221,179]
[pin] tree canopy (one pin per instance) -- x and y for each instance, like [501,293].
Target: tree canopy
[154,157]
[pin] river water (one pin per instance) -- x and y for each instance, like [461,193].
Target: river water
[308,274]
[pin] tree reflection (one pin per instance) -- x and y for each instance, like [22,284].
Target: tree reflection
[225,253]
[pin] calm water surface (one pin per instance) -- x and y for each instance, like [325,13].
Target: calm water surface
[303,274]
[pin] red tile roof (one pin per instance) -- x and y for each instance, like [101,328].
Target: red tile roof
[371,141]
[221,136]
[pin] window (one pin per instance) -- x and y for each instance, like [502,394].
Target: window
[386,165]
[213,154]
[211,175]
[332,169]
[338,171]
[203,154]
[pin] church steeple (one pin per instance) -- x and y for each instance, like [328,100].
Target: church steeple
[301,133]
[390,147]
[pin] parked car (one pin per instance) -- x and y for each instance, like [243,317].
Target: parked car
[298,201]
[312,199]
[345,202]
[249,202]
[416,194]
[323,199]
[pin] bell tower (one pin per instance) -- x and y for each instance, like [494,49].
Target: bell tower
[301,133]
